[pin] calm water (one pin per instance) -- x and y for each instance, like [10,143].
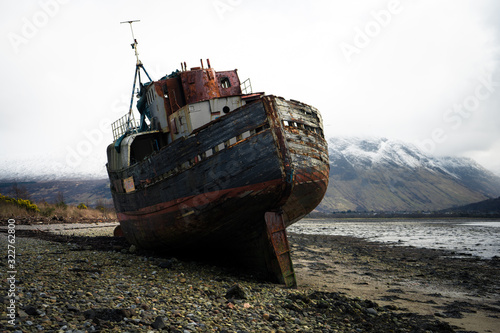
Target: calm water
[471,237]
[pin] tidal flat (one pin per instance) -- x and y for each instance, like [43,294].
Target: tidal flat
[443,268]
[85,280]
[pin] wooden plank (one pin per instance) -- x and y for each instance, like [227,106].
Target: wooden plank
[280,249]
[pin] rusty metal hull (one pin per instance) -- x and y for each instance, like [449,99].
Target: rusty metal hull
[268,156]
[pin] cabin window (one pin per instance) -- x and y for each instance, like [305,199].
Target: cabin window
[150,96]
[225,83]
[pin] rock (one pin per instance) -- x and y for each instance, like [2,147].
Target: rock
[158,323]
[132,249]
[372,311]
[236,292]
[109,314]
[22,314]
[129,313]
[166,264]
[89,314]
[73,308]
[30,310]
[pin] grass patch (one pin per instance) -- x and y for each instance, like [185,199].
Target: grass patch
[20,208]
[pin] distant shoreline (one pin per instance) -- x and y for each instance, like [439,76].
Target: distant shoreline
[406,215]
[462,236]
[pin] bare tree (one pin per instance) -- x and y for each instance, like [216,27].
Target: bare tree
[60,200]
[20,192]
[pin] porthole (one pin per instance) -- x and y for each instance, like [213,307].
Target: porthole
[226,109]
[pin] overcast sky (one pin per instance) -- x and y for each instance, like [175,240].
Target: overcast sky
[425,72]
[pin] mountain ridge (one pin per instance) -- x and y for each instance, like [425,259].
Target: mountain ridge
[378,174]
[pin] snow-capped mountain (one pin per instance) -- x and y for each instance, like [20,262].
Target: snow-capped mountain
[394,153]
[380,174]
[45,168]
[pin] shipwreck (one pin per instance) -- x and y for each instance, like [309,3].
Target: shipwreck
[213,168]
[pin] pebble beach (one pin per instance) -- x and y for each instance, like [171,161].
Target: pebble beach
[85,280]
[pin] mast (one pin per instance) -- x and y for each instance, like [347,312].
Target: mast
[134,44]
[138,67]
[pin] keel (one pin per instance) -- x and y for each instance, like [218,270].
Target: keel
[279,260]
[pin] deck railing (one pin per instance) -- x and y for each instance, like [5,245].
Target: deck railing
[123,124]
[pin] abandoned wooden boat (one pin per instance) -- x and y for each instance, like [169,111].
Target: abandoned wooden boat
[211,169]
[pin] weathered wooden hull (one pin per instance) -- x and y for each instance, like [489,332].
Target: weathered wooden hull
[268,156]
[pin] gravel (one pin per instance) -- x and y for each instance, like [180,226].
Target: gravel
[76,283]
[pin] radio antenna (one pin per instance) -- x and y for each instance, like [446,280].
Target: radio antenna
[134,44]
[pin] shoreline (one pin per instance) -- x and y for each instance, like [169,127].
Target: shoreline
[466,237]
[345,284]
[463,291]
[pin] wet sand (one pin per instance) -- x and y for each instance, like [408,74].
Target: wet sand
[461,290]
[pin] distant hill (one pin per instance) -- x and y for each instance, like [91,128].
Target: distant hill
[489,206]
[90,192]
[378,174]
